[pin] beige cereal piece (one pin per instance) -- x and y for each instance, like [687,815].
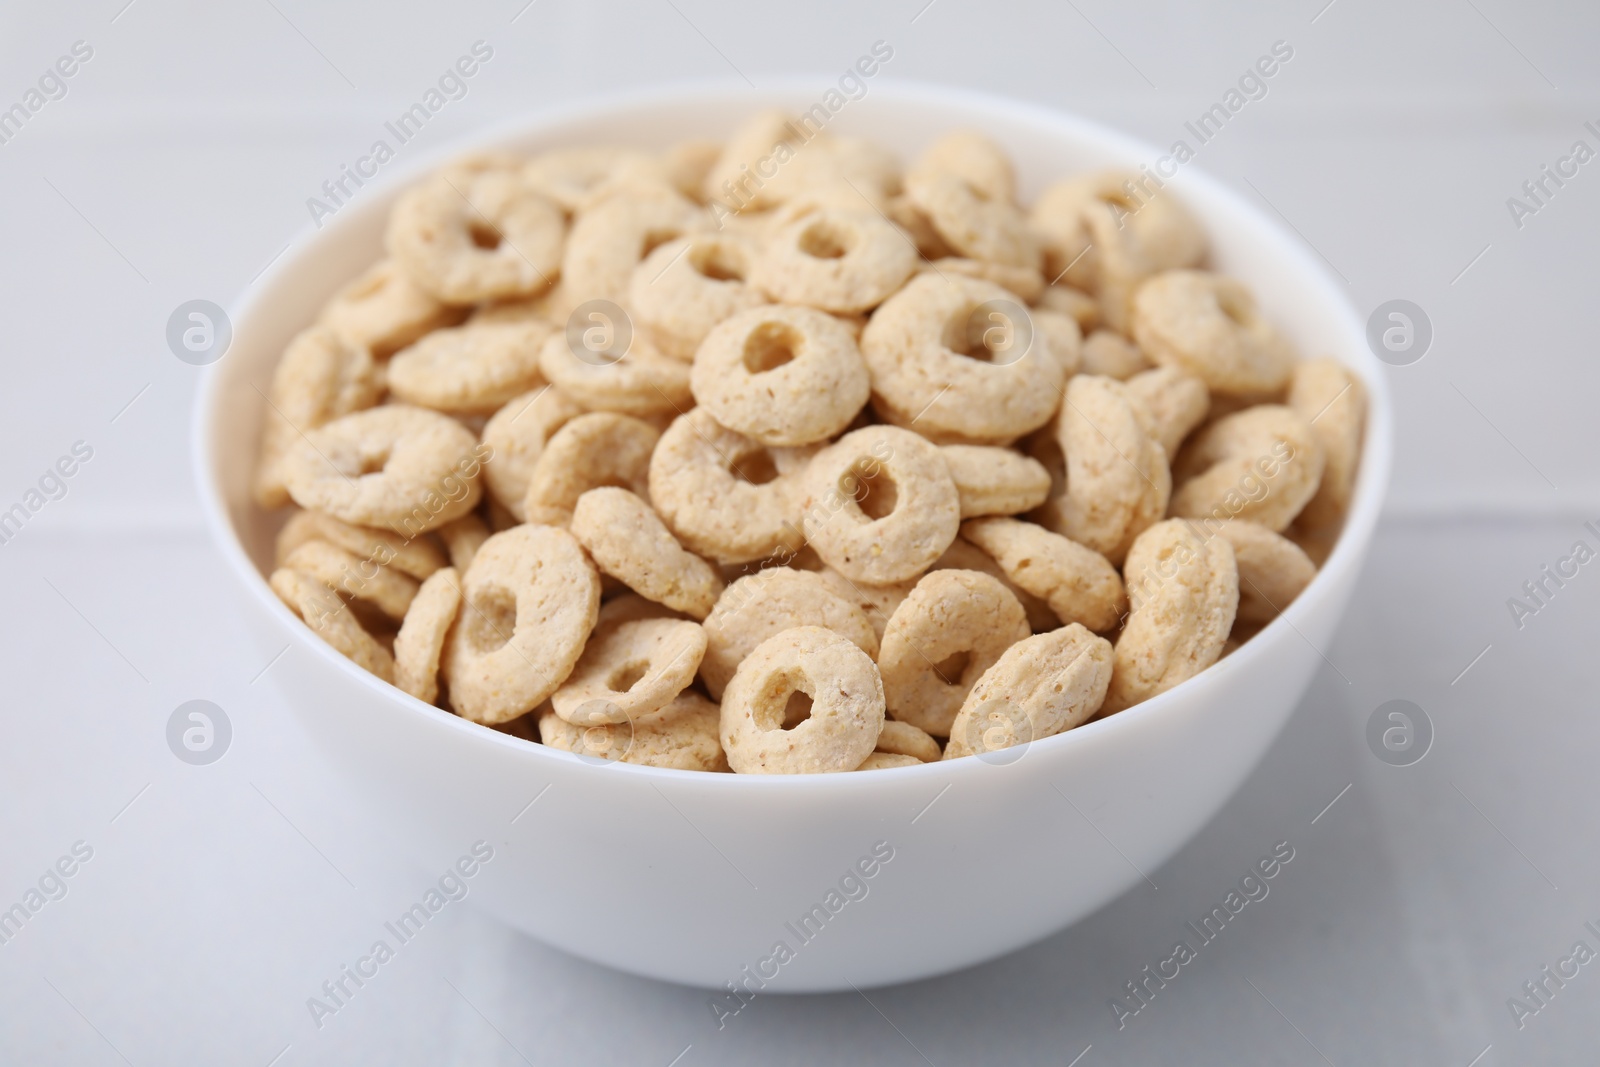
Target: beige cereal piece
[972,157]
[518,434]
[614,235]
[963,555]
[1168,237]
[1040,687]
[976,226]
[332,620]
[903,739]
[1184,589]
[1026,282]
[319,378]
[1061,333]
[1078,583]
[383,311]
[1118,481]
[1273,570]
[420,642]
[416,556]
[1209,326]
[1111,355]
[641,382]
[1176,401]
[760,605]
[462,538]
[630,670]
[880,505]
[628,541]
[1261,464]
[629,606]
[402,468]
[846,705]
[951,629]
[723,494]
[772,158]
[882,761]
[910,218]
[688,162]
[573,177]
[359,579]
[877,602]
[838,260]
[591,450]
[529,601]
[1083,308]
[685,287]
[470,238]
[995,481]
[784,376]
[682,736]
[1334,402]
[928,351]
[470,369]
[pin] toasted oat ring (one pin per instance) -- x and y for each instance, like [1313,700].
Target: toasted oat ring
[1262,464]
[332,620]
[760,605]
[1208,325]
[462,538]
[1184,588]
[529,601]
[772,158]
[1111,355]
[995,481]
[687,286]
[1075,303]
[630,670]
[783,375]
[903,739]
[383,310]
[420,642]
[320,377]
[1168,236]
[344,572]
[1026,282]
[683,736]
[846,713]
[1078,583]
[940,641]
[402,468]
[572,177]
[1064,337]
[880,505]
[591,450]
[640,382]
[1040,686]
[882,761]
[974,224]
[1118,481]
[416,556]
[877,602]
[628,606]
[972,157]
[613,235]
[518,434]
[915,346]
[1273,570]
[484,236]
[1334,403]
[1176,401]
[842,261]
[723,494]
[963,555]
[470,369]
[629,541]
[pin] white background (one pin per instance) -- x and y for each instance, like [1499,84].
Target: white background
[178,166]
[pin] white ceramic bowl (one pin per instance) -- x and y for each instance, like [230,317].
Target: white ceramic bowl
[694,877]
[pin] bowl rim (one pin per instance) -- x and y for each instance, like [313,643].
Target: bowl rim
[1347,553]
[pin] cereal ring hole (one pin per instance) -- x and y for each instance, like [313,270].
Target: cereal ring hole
[784,702]
[987,336]
[951,669]
[489,619]
[769,347]
[711,261]
[756,467]
[823,240]
[797,710]
[627,676]
[871,488]
[483,235]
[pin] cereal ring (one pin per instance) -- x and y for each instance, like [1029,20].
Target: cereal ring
[957,393]
[1041,686]
[840,726]
[880,505]
[592,450]
[798,158]
[403,468]
[1261,464]
[417,557]
[687,163]
[1026,282]
[470,369]
[1167,235]
[384,311]
[910,218]
[685,287]
[630,670]
[1185,591]
[484,236]
[572,177]
[1061,333]
[903,739]
[1273,570]
[462,538]
[389,591]
[842,261]
[420,642]
[629,542]
[1208,325]
[1111,355]
[974,224]
[1175,400]
[722,494]
[947,633]
[517,435]
[995,481]
[319,378]
[877,602]
[1078,583]
[629,606]
[782,375]
[1118,482]
[882,761]
[332,620]
[640,382]
[529,601]
[682,736]
[613,236]
[1334,403]
[972,157]
[1075,303]
[756,607]
[963,555]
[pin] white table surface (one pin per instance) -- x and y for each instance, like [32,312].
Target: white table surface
[218,898]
